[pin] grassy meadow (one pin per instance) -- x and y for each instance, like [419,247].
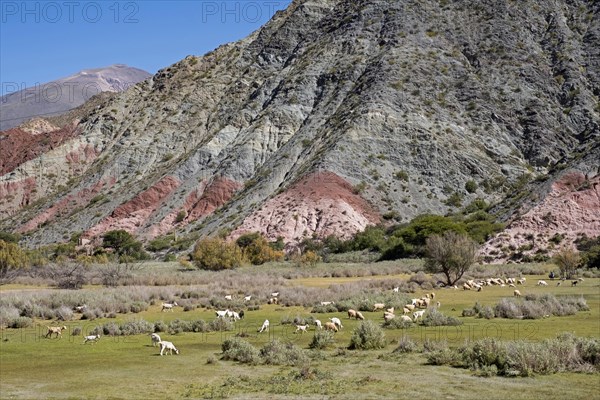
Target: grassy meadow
[128,366]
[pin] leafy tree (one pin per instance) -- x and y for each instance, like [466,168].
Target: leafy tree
[124,244]
[451,254]
[12,261]
[423,226]
[216,254]
[568,261]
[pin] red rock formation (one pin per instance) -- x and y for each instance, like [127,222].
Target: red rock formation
[18,145]
[64,206]
[571,209]
[320,204]
[131,215]
[16,194]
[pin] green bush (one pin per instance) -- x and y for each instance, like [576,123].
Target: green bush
[406,345]
[321,340]
[471,186]
[435,318]
[368,336]
[237,349]
[278,353]
[217,254]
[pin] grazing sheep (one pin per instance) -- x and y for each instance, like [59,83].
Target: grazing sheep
[359,315]
[327,303]
[273,300]
[264,327]
[405,318]
[517,293]
[168,306]
[330,326]
[466,286]
[222,313]
[420,303]
[542,283]
[228,297]
[155,339]
[426,301]
[396,289]
[574,283]
[418,314]
[337,322]
[388,316]
[91,338]
[411,307]
[247,298]
[390,310]
[301,328]
[318,324]
[521,281]
[55,329]
[351,313]
[378,306]
[511,285]
[170,347]
[405,311]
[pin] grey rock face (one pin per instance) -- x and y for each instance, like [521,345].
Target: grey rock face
[408,101]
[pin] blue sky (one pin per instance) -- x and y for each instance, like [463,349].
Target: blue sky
[45,40]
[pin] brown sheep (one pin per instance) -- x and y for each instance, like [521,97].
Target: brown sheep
[516,293]
[351,313]
[55,329]
[330,326]
[359,315]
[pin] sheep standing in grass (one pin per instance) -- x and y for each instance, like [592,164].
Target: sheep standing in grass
[542,283]
[396,289]
[168,346]
[55,330]
[247,298]
[264,327]
[330,326]
[388,316]
[360,316]
[418,314]
[521,281]
[351,313]
[168,306]
[378,306]
[517,293]
[405,318]
[411,307]
[155,339]
[318,324]
[337,322]
[228,297]
[222,314]
[301,328]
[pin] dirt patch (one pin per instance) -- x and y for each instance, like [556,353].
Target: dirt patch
[319,205]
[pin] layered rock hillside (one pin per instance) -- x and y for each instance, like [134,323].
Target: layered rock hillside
[335,115]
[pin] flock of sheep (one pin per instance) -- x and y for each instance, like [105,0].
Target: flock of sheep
[417,307]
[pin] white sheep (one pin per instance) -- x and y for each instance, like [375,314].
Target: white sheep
[155,339]
[411,307]
[235,316]
[521,281]
[228,297]
[351,313]
[542,283]
[247,298]
[55,330]
[169,306]
[517,293]
[388,316]
[378,306]
[327,303]
[390,310]
[301,328]
[405,318]
[337,322]
[318,324]
[222,313]
[396,289]
[168,346]
[360,316]
[265,326]
[91,338]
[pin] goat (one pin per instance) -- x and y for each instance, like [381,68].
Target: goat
[228,297]
[80,309]
[168,306]
[55,329]
[301,328]
[170,347]
[91,338]
[396,289]
[247,298]
[222,314]
[574,283]
[418,314]
[155,339]
[318,324]
[273,300]
[264,327]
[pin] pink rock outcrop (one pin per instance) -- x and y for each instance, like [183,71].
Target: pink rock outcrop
[318,205]
[571,209]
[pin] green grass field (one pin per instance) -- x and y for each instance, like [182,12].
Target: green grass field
[128,367]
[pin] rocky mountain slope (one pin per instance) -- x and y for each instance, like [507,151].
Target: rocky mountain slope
[61,95]
[336,114]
